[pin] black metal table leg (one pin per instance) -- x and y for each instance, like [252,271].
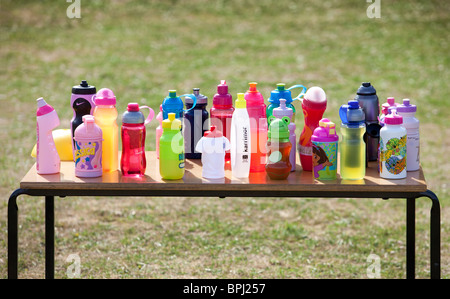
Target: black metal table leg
[13,233]
[49,237]
[410,238]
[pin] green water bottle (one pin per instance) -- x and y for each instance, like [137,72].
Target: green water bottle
[171,149]
[352,146]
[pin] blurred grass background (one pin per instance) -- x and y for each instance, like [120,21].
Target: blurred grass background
[141,49]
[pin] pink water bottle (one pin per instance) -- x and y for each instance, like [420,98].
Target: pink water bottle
[47,157]
[133,162]
[222,111]
[159,129]
[88,148]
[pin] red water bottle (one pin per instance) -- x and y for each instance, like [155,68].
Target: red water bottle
[314,104]
[133,162]
[222,111]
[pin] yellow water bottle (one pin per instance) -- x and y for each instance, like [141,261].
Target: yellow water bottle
[105,115]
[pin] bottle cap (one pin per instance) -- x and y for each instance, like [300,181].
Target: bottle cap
[278,128]
[406,106]
[393,118]
[213,132]
[133,107]
[280,93]
[84,88]
[105,97]
[43,107]
[325,132]
[88,118]
[281,111]
[315,98]
[252,87]
[201,99]
[366,89]
[222,97]
[240,101]
[222,88]
[352,113]
[171,122]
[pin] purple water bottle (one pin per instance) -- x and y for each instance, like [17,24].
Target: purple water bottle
[279,112]
[82,104]
[324,150]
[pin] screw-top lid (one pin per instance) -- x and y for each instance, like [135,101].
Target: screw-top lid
[213,132]
[315,98]
[325,132]
[280,93]
[281,111]
[222,97]
[393,118]
[133,115]
[279,129]
[201,99]
[406,106]
[133,107]
[352,114]
[240,101]
[43,107]
[88,130]
[222,88]
[105,97]
[171,123]
[84,88]
[366,89]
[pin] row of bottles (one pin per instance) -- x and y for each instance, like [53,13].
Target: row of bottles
[255,137]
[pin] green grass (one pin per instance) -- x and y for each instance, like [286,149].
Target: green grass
[140,50]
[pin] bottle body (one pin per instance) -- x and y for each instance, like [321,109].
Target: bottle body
[159,131]
[171,155]
[312,118]
[47,157]
[133,161]
[393,152]
[258,129]
[353,152]
[293,140]
[241,143]
[106,118]
[196,123]
[324,160]
[411,124]
[221,118]
[278,165]
[88,153]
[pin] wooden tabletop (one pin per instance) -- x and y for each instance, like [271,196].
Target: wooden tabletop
[297,181]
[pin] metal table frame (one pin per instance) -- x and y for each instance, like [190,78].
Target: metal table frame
[435,225]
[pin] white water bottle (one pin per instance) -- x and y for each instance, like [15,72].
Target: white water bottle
[411,123]
[47,157]
[240,139]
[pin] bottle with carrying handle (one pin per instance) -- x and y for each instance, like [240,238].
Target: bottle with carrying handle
[221,112]
[282,93]
[213,147]
[280,112]
[47,157]
[256,109]
[352,146]
[241,139]
[278,166]
[88,154]
[411,124]
[82,104]
[314,104]
[133,132]
[393,151]
[196,123]
[325,150]
[171,153]
[106,114]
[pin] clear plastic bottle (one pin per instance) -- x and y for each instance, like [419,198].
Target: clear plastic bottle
[241,139]
[352,146]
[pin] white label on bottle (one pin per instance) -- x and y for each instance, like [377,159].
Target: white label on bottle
[413,149]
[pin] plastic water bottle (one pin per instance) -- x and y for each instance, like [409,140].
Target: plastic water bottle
[82,104]
[368,101]
[282,93]
[352,146]
[325,150]
[133,162]
[393,147]
[213,146]
[279,147]
[411,124]
[195,123]
[390,102]
[280,112]
[171,154]
[258,126]
[241,139]
[221,111]
[159,129]
[88,153]
[314,104]
[47,158]
[105,114]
